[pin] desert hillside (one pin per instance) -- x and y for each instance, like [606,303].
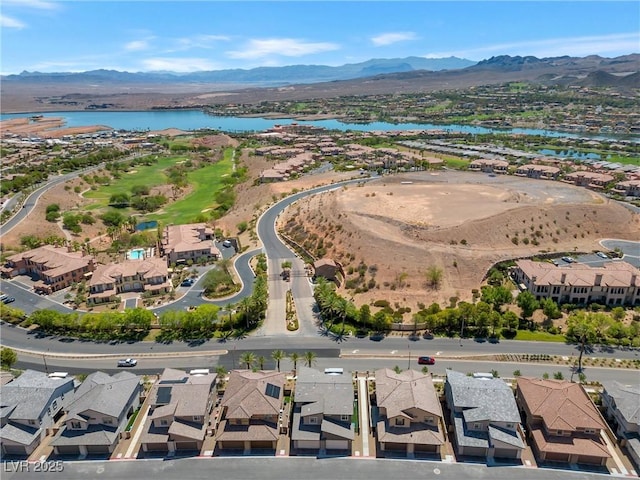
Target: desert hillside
[389,232]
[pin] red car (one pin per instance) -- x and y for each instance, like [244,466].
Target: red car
[426,360]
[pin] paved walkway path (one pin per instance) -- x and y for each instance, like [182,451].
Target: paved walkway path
[363,405]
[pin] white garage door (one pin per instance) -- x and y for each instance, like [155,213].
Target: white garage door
[337,444]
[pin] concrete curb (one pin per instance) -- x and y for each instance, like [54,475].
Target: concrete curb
[77,356]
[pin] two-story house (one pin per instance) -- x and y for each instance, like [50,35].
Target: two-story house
[181,243]
[484,416]
[562,422]
[98,414]
[322,412]
[29,405]
[409,417]
[622,407]
[180,405]
[54,268]
[148,275]
[251,408]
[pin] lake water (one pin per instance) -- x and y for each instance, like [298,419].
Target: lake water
[197,119]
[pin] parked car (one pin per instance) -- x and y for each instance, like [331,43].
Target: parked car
[568,259]
[226,243]
[127,362]
[8,300]
[426,360]
[602,255]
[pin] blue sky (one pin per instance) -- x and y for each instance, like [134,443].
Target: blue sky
[184,36]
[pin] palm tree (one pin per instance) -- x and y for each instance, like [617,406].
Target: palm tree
[248,358]
[278,355]
[294,358]
[260,360]
[310,358]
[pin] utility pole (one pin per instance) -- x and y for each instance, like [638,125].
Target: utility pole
[461,331]
[44,359]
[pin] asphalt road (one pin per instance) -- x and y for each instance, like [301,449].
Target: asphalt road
[299,468]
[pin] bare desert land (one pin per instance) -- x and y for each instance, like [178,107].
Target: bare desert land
[460,222]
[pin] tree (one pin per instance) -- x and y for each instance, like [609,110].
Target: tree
[550,308]
[260,360]
[528,303]
[294,358]
[434,277]
[248,358]
[397,369]
[278,355]
[496,296]
[310,358]
[8,357]
[581,329]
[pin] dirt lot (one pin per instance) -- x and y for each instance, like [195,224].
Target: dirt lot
[45,127]
[459,222]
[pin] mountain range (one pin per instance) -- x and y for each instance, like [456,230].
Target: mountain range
[260,76]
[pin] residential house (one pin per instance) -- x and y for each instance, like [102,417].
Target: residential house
[251,409]
[488,165]
[193,241]
[55,268]
[148,275]
[323,411]
[409,415]
[98,414]
[562,422]
[622,406]
[179,412]
[628,188]
[614,283]
[29,405]
[588,179]
[532,170]
[484,417]
[326,268]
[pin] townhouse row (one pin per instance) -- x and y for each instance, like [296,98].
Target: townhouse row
[54,268]
[316,413]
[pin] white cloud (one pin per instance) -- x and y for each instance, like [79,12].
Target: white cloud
[178,64]
[197,41]
[38,4]
[287,47]
[10,22]
[391,38]
[606,45]
[137,45]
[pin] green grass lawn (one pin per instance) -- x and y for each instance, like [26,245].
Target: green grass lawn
[206,182]
[539,336]
[150,176]
[456,162]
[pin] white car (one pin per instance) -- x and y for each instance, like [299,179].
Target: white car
[127,362]
[602,255]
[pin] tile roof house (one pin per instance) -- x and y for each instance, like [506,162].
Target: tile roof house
[29,405]
[489,165]
[484,416]
[55,267]
[409,418]
[179,412]
[193,241]
[251,407]
[326,268]
[148,275]
[98,414]
[323,411]
[563,423]
[622,404]
[614,283]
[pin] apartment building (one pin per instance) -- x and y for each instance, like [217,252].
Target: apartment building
[193,241]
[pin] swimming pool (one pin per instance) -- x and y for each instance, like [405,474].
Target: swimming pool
[135,254]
